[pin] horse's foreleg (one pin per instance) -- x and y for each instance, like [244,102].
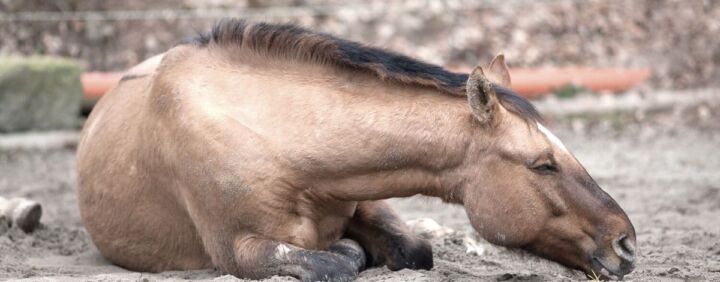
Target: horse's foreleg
[256,257]
[387,239]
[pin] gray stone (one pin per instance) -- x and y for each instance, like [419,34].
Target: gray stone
[4,224]
[39,93]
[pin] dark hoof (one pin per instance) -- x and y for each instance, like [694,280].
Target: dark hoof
[329,267]
[412,253]
[352,250]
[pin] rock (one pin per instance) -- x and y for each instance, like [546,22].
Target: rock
[26,215]
[4,224]
[472,246]
[428,228]
[39,93]
[20,212]
[714,268]
[704,112]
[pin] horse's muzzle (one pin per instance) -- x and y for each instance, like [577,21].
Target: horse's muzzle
[617,263]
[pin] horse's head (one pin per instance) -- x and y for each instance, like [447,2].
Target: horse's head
[525,189]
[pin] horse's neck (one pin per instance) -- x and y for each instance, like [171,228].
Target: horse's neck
[395,141]
[351,135]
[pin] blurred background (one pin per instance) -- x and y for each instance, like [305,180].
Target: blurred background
[630,86]
[669,36]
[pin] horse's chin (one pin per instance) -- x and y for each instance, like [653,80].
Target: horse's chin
[599,271]
[594,267]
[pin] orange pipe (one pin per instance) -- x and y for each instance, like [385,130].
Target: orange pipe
[535,82]
[525,81]
[95,84]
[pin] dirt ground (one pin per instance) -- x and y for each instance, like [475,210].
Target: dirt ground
[664,170]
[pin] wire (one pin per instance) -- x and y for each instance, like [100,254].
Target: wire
[270,12]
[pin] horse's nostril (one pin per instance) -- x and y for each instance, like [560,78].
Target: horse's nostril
[625,248]
[628,245]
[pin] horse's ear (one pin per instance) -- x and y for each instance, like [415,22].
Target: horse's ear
[481,95]
[498,72]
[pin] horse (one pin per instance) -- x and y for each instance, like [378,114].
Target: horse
[266,149]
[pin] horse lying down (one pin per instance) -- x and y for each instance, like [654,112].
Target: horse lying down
[263,149]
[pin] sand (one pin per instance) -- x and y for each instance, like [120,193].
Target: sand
[667,180]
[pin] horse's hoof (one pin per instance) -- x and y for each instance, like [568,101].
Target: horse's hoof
[26,215]
[328,266]
[352,250]
[412,253]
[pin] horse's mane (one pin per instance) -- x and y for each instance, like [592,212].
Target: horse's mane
[290,42]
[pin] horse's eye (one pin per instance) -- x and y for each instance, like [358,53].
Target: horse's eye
[545,168]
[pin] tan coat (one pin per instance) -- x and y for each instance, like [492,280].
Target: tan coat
[239,153]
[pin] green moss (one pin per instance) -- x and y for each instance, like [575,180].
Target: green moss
[38,93]
[569,91]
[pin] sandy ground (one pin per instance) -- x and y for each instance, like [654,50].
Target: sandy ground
[666,176]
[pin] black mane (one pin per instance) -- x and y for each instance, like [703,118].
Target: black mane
[296,43]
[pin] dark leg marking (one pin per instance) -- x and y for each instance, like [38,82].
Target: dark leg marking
[261,258]
[386,238]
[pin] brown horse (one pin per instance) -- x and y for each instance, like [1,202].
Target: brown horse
[266,149]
